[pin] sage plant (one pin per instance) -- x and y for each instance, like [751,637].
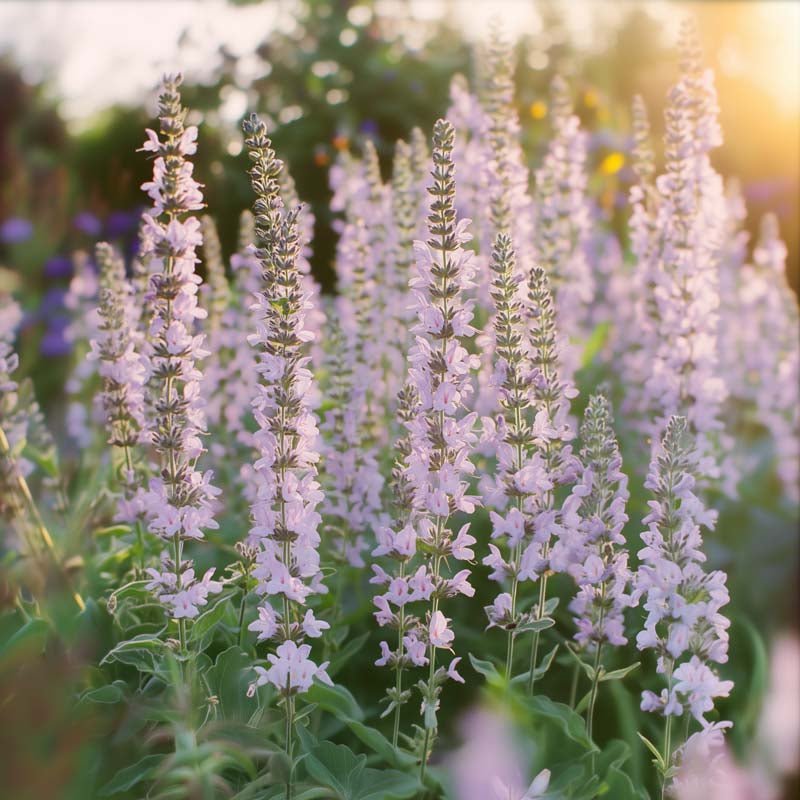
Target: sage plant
[684,624]
[563,220]
[441,433]
[285,520]
[124,372]
[179,501]
[591,543]
[522,476]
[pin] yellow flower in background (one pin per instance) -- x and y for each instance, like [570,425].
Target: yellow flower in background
[591,98]
[538,110]
[612,163]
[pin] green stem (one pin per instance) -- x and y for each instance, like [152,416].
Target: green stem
[177,555]
[399,667]
[667,742]
[593,697]
[535,646]
[573,690]
[290,745]
[241,610]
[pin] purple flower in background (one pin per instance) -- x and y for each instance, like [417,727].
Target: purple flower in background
[369,127]
[121,223]
[54,342]
[15,230]
[58,266]
[53,300]
[87,223]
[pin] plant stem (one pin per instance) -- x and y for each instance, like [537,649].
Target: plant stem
[399,667]
[593,697]
[290,745]
[573,690]
[242,605]
[437,562]
[667,742]
[539,616]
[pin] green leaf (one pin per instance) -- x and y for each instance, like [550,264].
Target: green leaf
[540,671]
[583,704]
[595,343]
[143,652]
[570,723]
[535,625]
[380,745]
[228,679]
[29,638]
[336,700]
[205,622]
[127,778]
[115,530]
[341,658]
[134,589]
[550,605]
[487,669]
[47,461]
[658,759]
[109,694]
[346,774]
[618,674]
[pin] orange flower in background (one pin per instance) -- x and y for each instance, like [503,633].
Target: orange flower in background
[538,109]
[612,163]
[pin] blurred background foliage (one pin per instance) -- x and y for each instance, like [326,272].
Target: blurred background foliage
[333,72]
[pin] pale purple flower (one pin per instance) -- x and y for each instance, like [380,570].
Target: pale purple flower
[682,601]
[285,522]
[180,502]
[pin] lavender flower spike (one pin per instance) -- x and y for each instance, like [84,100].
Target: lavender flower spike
[684,625]
[592,533]
[124,371]
[441,434]
[285,522]
[179,502]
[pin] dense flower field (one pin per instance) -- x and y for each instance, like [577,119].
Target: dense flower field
[291,542]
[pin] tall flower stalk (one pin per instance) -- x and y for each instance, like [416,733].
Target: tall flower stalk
[441,434]
[563,220]
[285,522]
[179,502]
[521,471]
[592,523]
[552,431]
[399,544]
[353,478]
[123,370]
[684,626]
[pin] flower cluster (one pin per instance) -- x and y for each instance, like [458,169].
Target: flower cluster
[179,502]
[770,351]
[354,480]
[563,219]
[440,436]
[681,600]
[84,408]
[285,522]
[522,478]
[122,368]
[636,307]
[684,375]
[591,543]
